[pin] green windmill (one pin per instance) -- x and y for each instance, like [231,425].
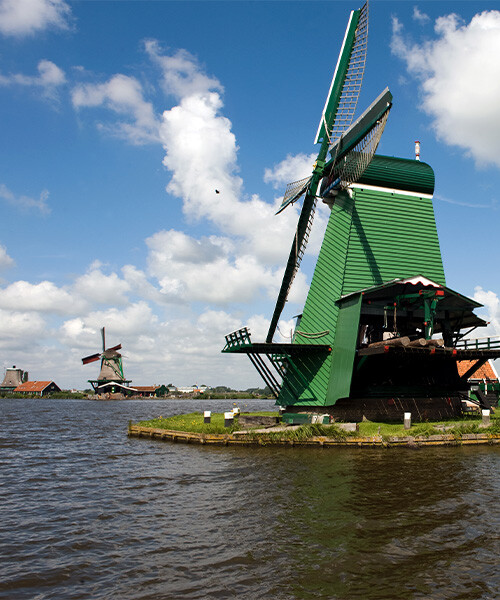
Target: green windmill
[367,342]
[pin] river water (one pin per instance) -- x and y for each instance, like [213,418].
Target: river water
[88,513]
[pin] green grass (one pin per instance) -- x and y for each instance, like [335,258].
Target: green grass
[456,427]
[193,422]
[304,433]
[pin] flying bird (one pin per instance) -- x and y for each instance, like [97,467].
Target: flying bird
[217,192]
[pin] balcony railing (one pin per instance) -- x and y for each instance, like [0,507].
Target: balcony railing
[483,343]
[237,339]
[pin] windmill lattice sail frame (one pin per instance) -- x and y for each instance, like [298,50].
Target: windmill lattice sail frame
[351,89]
[342,99]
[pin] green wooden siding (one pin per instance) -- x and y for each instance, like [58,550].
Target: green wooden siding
[320,311]
[392,236]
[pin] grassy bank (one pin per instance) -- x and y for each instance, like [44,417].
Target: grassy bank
[193,422]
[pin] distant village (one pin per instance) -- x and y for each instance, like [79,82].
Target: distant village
[112,384]
[16,382]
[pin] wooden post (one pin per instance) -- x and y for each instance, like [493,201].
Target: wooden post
[407,420]
[228,419]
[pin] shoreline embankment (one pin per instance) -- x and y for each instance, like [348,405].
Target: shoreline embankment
[230,439]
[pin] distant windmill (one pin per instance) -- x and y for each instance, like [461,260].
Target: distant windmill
[111,366]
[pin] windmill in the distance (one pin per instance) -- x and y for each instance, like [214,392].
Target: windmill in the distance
[111,378]
[379,275]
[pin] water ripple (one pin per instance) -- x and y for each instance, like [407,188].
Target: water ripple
[90,513]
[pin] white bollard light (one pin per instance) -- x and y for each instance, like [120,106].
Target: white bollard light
[486,417]
[236,411]
[407,420]
[228,419]
[207,416]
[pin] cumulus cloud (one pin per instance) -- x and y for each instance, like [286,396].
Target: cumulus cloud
[182,74]
[124,96]
[491,303]
[98,288]
[6,261]
[135,319]
[203,270]
[44,297]
[292,168]
[26,17]
[201,155]
[25,203]
[20,328]
[459,75]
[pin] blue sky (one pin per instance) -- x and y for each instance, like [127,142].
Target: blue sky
[119,121]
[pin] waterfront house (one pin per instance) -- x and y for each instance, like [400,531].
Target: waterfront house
[147,391]
[37,388]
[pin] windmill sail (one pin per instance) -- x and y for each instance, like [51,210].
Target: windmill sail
[293,192]
[354,150]
[340,104]
[295,258]
[91,358]
[345,88]
[342,98]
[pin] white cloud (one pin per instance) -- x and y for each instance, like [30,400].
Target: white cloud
[50,77]
[135,319]
[6,261]
[139,285]
[182,74]
[459,73]
[20,328]
[491,303]
[201,154]
[292,168]
[25,17]
[191,270]
[25,203]
[124,96]
[419,16]
[43,297]
[96,287]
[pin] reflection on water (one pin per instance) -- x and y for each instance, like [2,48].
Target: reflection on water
[90,513]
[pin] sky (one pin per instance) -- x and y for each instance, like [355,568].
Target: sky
[119,121]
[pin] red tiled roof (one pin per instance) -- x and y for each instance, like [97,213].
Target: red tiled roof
[485,372]
[33,386]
